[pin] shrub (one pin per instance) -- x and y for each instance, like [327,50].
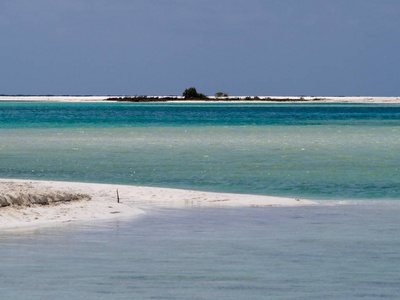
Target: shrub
[191,93]
[220,94]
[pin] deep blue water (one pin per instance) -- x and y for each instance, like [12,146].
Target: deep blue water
[60,115]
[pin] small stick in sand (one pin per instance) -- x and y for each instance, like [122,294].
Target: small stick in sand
[117,196]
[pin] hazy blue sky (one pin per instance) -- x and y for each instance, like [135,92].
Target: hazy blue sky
[161,47]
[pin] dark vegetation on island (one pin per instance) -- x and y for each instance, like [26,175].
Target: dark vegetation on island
[191,94]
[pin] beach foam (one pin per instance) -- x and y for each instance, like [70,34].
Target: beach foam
[99,201]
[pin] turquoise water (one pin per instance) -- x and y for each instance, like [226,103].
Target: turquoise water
[325,152]
[296,150]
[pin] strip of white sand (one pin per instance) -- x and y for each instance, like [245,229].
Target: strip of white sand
[99,201]
[263,99]
[55,98]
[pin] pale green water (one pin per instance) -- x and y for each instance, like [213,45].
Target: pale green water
[314,151]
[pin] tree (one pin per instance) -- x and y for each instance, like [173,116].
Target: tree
[191,93]
[220,94]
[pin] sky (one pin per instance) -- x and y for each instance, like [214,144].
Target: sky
[162,47]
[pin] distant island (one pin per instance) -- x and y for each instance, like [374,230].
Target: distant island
[224,99]
[191,94]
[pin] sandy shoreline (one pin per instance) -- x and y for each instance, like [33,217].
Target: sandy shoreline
[134,200]
[313,99]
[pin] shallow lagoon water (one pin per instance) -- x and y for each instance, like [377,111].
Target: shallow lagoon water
[312,151]
[347,153]
[331,252]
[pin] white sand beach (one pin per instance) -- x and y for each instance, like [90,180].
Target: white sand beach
[65,202]
[55,98]
[306,99]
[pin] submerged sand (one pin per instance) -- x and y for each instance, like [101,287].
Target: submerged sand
[27,203]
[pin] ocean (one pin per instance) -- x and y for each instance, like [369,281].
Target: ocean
[345,156]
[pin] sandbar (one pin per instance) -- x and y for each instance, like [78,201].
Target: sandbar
[77,201]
